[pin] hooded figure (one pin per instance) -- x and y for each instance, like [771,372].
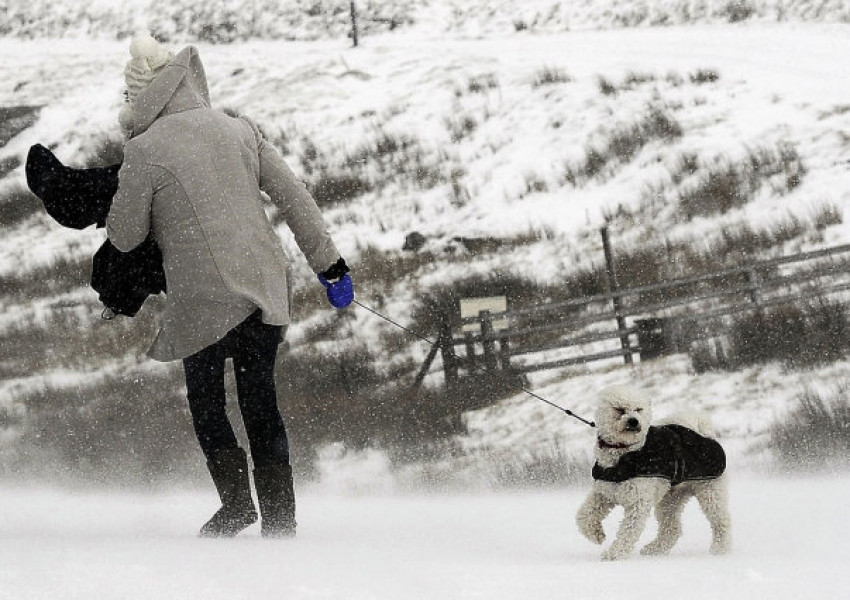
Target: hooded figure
[192,179]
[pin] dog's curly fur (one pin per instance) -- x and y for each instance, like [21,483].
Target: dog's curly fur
[623,418]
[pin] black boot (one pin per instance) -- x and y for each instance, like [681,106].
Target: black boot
[276,496]
[229,470]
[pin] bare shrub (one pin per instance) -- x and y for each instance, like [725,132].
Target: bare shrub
[549,465]
[803,336]
[727,184]
[460,125]
[633,79]
[815,435]
[623,143]
[15,119]
[606,86]
[75,338]
[721,248]
[394,157]
[482,83]
[534,184]
[330,188]
[707,355]
[381,270]
[65,275]
[782,163]
[736,11]
[336,176]
[799,336]
[703,75]
[460,194]
[828,215]
[17,204]
[674,78]
[330,184]
[630,81]
[742,239]
[687,163]
[322,393]
[107,152]
[125,430]
[549,76]
[9,164]
[134,428]
[341,397]
[381,148]
[721,189]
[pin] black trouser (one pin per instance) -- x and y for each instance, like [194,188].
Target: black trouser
[253,347]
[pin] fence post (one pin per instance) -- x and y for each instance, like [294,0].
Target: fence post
[489,344]
[505,354]
[423,370]
[614,286]
[448,353]
[470,353]
[754,282]
[354,24]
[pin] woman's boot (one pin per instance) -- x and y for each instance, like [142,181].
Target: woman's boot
[229,470]
[276,497]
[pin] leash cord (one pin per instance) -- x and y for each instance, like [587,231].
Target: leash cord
[566,411]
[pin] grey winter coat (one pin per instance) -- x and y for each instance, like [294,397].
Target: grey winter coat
[192,176]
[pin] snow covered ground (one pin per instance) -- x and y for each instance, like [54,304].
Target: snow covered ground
[777,82]
[792,540]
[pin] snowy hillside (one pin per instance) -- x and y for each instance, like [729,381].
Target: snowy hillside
[505,134]
[224,21]
[489,138]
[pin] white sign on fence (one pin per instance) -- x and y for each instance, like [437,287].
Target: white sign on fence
[470,307]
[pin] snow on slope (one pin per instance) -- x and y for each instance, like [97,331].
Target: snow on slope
[238,20]
[777,82]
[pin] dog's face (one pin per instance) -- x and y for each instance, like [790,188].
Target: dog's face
[622,418]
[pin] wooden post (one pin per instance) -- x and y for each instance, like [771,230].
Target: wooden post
[754,281]
[614,286]
[448,353]
[354,24]
[470,353]
[423,370]
[489,345]
[505,354]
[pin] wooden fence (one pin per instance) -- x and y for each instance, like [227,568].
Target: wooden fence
[649,321]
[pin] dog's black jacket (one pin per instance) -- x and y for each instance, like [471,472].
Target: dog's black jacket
[672,452]
[78,198]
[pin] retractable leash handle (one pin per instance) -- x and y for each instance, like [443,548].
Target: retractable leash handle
[566,411]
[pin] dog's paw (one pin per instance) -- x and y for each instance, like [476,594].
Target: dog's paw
[654,549]
[612,554]
[594,533]
[720,548]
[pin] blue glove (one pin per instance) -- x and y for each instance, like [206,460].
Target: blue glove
[341,292]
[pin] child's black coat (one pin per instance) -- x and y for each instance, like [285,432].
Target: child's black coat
[78,198]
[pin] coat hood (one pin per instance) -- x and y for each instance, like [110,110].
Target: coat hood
[180,86]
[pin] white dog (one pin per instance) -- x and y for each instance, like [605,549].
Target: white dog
[640,467]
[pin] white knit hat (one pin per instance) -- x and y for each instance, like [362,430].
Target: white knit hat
[149,56]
